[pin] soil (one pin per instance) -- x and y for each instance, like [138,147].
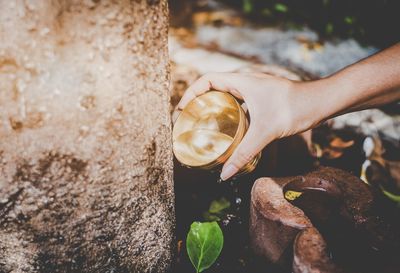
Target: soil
[196,189]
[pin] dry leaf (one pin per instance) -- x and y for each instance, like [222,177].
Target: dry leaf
[292,195]
[224,17]
[179,246]
[341,144]
[332,153]
[316,150]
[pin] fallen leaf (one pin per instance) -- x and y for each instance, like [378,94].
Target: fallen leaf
[204,244]
[338,143]
[217,206]
[179,246]
[332,153]
[391,196]
[292,195]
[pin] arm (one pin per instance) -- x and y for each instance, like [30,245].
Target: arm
[280,108]
[372,82]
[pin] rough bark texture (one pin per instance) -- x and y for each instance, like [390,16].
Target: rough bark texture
[85,149]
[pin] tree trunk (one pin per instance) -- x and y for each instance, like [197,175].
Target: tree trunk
[85,151]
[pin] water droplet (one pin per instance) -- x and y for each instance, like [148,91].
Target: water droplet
[238,200]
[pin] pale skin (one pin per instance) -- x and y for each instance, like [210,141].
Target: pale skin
[279,107]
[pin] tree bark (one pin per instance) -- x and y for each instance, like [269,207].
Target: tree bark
[85,149]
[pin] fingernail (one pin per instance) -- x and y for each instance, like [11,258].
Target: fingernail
[228,171]
[175,115]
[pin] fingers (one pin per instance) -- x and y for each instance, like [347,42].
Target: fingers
[199,87]
[216,81]
[175,115]
[251,144]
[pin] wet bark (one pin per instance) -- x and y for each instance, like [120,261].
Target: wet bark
[85,149]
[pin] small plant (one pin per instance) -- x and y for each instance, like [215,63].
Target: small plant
[204,244]
[330,18]
[217,210]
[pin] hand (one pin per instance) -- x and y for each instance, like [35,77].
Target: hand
[278,108]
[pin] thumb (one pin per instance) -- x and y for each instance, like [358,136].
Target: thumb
[251,144]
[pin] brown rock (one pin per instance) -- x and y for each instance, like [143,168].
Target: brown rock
[362,231]
[310,254]
[85,150]
[274,222]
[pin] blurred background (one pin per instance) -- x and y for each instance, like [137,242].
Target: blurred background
[298,39]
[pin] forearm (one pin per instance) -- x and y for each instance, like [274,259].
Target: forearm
[369,83]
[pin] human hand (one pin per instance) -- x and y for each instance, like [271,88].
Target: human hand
[278,108]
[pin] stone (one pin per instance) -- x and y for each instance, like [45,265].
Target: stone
[310,253]
[274,222]
[332,208]
[85,151]
[301,50]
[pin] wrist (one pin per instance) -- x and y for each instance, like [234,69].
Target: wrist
[301,107]
[316,101]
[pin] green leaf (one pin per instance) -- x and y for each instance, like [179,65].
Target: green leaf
[325,2]
[217,210]
[247,6]
[329,28]
[391,196]
[281,7]
[210,217]
[266,12]
[204,244]
[217,206]
[349,20]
